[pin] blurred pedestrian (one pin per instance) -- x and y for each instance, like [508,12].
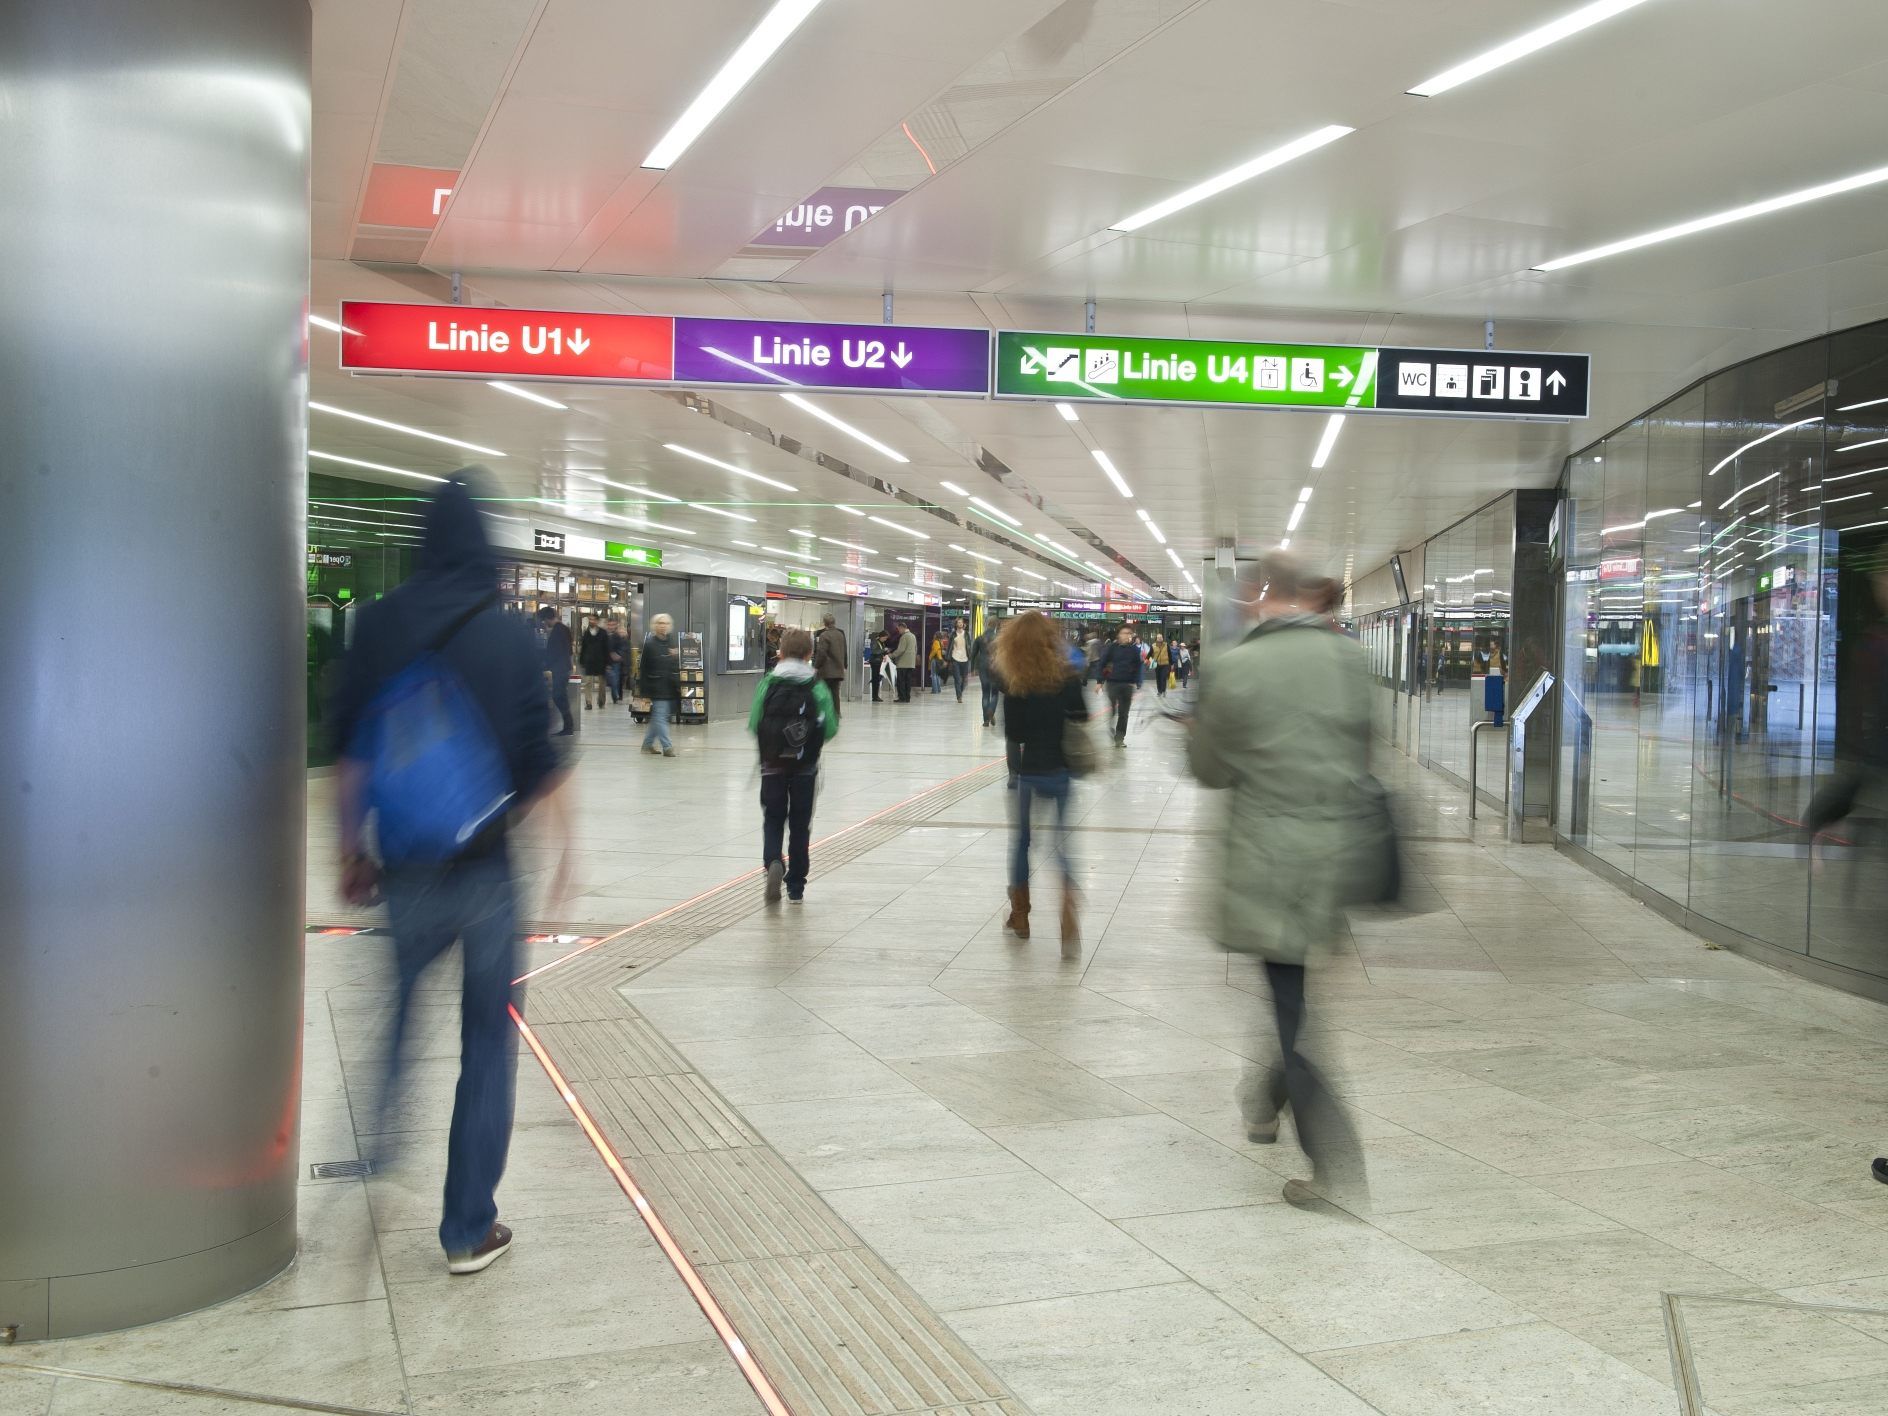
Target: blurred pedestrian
[876,656]
[659,679]
[934,662]
[829,658]
[1121,668]
[1042,697]
[1284,727]
[440,726]
[905,662]
[960,659]
[554,637]
[593,657]
[792,718]
[982,663]
[619,659]
[1162,661]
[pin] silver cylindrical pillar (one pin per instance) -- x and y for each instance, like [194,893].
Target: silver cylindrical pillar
[153,283]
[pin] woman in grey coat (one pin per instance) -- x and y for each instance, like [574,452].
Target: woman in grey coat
[1284,729]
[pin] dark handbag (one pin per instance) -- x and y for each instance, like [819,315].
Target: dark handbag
[1377,873]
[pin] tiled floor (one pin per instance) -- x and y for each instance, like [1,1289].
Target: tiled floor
[1568,1108]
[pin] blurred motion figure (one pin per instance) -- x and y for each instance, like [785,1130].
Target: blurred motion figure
[440,723]
[1284,728]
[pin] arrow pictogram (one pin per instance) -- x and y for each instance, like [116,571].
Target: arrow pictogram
[902,356]
[1556,381]
[1342,376]
[578,343]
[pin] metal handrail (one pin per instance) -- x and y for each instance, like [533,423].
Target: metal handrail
[1473,763]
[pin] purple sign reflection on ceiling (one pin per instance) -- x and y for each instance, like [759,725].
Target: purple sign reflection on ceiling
[868,358]
[825,216]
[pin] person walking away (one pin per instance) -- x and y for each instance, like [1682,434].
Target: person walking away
[1121,669]
[875,655]
[829,658]
[905,662]
[619,659]
[1163,664]
[982,660]
[554,636]
[593,656]
[1182,662]
[1042,695]
[1284,730]
[792,719]
[960,659]
[438,719]
[659,679]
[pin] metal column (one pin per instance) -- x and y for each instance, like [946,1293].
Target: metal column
[154,160]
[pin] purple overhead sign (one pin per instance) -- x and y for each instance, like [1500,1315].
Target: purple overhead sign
[870,358]
[825,216]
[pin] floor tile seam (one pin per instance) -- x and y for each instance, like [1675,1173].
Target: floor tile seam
[195,1390]
[1531,1320]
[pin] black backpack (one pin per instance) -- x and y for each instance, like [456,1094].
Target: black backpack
[791,734]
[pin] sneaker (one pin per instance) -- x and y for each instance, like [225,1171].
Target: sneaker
[776,872]
[490,1249]
[797,899]
[1880,1168]
[649,751]
[668,752]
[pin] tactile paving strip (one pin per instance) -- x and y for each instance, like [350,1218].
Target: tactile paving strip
[836,1331]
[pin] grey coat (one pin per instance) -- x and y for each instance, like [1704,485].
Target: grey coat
[1284,728]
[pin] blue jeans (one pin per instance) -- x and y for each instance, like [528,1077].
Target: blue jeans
[1029,786]
[959,673]
[428,907]
[991,693]
[658,734]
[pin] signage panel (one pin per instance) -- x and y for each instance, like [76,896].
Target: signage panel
[380,337]
[548,540]
[1143,369]
[803,580]
[825,216]
[1500,382]
[632,555]
[334,560]
[872,358]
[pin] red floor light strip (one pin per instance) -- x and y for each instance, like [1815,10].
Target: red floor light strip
[724,1329]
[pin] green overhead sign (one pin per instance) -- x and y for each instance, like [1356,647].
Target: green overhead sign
[634,555]
[1139,369]
[803,580]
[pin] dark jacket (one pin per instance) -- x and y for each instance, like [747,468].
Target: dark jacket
[659,674]
[496,655]
[829,653]
[1033,725]
[594,651]
[557,649]
[1121,663]
[980,652]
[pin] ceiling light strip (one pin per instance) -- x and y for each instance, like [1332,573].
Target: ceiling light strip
[1520,47]
[840,423]
[729,467]
[526,393]
[1233,176]
[373,466]
[773,31]
[403,428]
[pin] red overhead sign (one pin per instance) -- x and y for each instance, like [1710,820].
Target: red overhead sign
[495,343]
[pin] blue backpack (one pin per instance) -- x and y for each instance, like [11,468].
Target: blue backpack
[436,775]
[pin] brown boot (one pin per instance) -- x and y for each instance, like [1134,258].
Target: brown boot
[1018,922]
[1071,927]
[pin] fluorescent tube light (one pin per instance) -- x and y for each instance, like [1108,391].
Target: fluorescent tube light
[1148,521]
[1831,501]
[1856,447]
[1232,177]
[1297,515]
[850,545]
[894,526]
[728,467]
[1754,442]
[844,427]
[1000,515]
[953,487]
[848,510]
[1120,483]
[1845,408]
[1174,556]
[1535,39]
[322,322]
[1840,477]
[1331,429]
[718,511]
[1069,415]
[1304,494]
[1030,573]
[1722,218]
[732,77]
[797,531]
[374,466]
[517,392]
[403,428]
[632,488]
[747,545]
[802,555]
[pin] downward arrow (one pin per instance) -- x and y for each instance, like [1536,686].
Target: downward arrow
[1034,362]
[1343,376]
[578,343]
[902,356]
[1556,381]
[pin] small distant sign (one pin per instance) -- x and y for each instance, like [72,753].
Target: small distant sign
[803,580]
[548,541]
[631,555]
[825,216]
[336,560]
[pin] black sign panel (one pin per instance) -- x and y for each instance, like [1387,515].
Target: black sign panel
[1498,382]
[550,541]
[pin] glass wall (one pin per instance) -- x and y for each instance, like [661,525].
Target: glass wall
[1468,594]
[1723,648]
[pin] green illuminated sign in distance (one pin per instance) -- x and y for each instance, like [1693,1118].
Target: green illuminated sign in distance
[634,555]
[802,580]
[1138,369]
